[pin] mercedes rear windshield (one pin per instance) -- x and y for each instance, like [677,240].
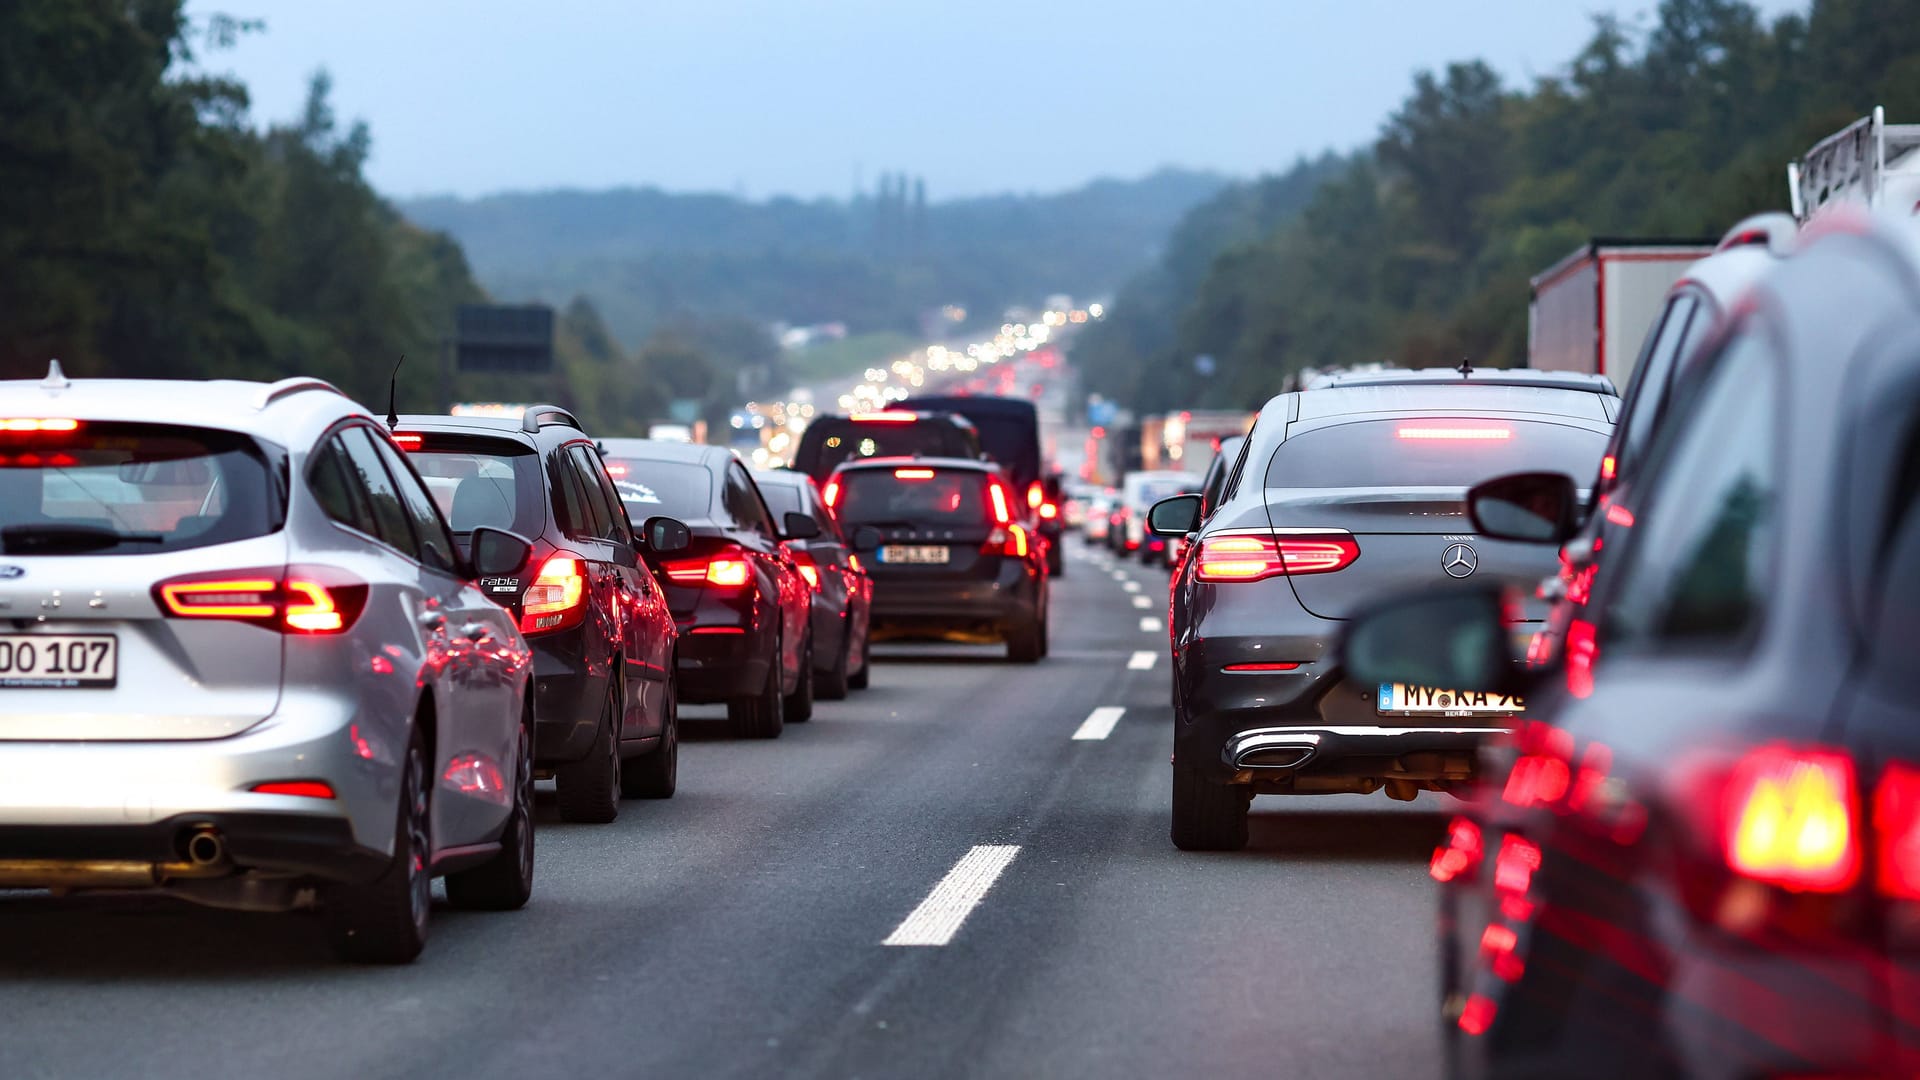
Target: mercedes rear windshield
[1432,452]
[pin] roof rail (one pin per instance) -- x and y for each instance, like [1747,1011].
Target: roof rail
[538,416]
[1852,160]
[299,384]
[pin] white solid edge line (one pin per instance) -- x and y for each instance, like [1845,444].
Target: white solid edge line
[1143,602]
[1141,661]
[1150,624]
[939,916]
[1099,723]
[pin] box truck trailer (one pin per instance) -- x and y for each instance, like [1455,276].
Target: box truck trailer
[1591,310]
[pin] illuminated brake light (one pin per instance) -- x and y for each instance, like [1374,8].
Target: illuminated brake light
[727,573]
[1461,433]
[808,569]
[1002,514]
[1009,540]
[305,789]
[616,470]
[1251,558]
[311,609]
[884,418]
[30,423]
[408,442]
[1035,495]
[1791,819]
[913,474]
[1274,665]
[1896,830]
[832,493]
[238,598]
[1607,467]
[1049,511]
[557,597]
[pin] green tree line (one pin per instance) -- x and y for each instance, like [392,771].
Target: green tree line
[148,229]
[1418,250]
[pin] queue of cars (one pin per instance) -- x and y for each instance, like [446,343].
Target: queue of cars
[264,651]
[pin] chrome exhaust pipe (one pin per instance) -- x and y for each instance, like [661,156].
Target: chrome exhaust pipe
[206,847]
[1273,757]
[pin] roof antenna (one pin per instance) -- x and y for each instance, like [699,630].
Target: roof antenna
[393,384]
[1466,366]
[56,379]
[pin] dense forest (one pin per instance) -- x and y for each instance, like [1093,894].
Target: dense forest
[148,229]
[1418,249]
[877,262]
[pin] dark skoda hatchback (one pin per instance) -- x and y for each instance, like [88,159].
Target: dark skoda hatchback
[950,557]
[1342,496]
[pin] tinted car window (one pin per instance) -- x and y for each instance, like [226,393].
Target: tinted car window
[435,542]
[599,521]
[1697,565]
[569,502]
[339,496]
[483,482]
[1647,394]
[941,497]
[1431,452]
[389,514]
[673,488]
[782,499]
[831,440]
[119,488]
[742,504]
[609,518]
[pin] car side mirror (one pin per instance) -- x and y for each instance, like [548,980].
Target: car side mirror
[1176,516]
[666,535]
[498,553]
[866,538]
[1454,638]
[798,526]
[1536,507]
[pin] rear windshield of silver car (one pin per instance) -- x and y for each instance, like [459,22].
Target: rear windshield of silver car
[479,481]
[1448,451]
[81,487]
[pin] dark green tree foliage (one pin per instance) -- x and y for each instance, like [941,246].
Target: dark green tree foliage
[1419,251]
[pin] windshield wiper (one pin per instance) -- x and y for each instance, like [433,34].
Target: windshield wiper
[28,539]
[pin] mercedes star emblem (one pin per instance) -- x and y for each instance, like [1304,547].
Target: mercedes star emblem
[1460,561]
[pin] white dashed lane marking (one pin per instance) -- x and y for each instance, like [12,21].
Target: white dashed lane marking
[1143,602]
[1130,586]
[1150,625]
[1099,723]
[1119,575]
[940,915]
[1141,661]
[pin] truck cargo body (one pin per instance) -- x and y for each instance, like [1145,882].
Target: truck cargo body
[1591,310]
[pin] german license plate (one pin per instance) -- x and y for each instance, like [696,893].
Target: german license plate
[58,661]
[1406,699]
[923,554]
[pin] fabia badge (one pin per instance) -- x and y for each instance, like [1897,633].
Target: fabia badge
[10,572]
[1459,561]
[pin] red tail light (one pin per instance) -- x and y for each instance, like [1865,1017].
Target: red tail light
[728,570]
[1035,495]
[832,494]
[997,493]
[1607,467]
[1460,854]
[1792,819]
[1009,540]
[557,598]
[306,789]
[1513,868]
[809,569]
[1049,511]
[1896,828]
[35,424]
[884,418]
[406,441]
[1251,558]
[296,600]
[913,474]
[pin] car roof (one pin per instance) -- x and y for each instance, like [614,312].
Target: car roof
[782,477]
[1563,380]
[545,419]
[663,450]
[1459,397]
[269,411]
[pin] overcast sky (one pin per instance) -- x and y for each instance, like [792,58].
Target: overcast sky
[801,97]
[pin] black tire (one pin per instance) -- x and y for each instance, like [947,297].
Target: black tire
[799,704]
[505,882]
[590,788]
[1025,644]
[1057,559]
[760,716]
[385,920]
[657,774]
[1208,816]
[1046,629]
[833,684]
[860,679]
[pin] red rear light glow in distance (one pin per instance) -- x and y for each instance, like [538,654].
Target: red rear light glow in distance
[557,597]
[1251,558]
[831,494]
[1792,819]
[913,474]
[1896,831]
[1620,515]
[996,491]
[1455,433]
[37,424]
[1035,495]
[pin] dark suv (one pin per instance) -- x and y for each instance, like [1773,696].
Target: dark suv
[739,598]
[602,637]
[842,591]
[951,558]
[832,439]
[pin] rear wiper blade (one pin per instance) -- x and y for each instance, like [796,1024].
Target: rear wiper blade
[25,539]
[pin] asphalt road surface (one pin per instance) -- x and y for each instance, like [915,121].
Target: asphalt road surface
[962,871]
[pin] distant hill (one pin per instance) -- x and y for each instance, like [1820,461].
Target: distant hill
[880,262]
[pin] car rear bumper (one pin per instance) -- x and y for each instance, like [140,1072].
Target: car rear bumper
[1430,753]
[719,663]
[158,853]
[926,603]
